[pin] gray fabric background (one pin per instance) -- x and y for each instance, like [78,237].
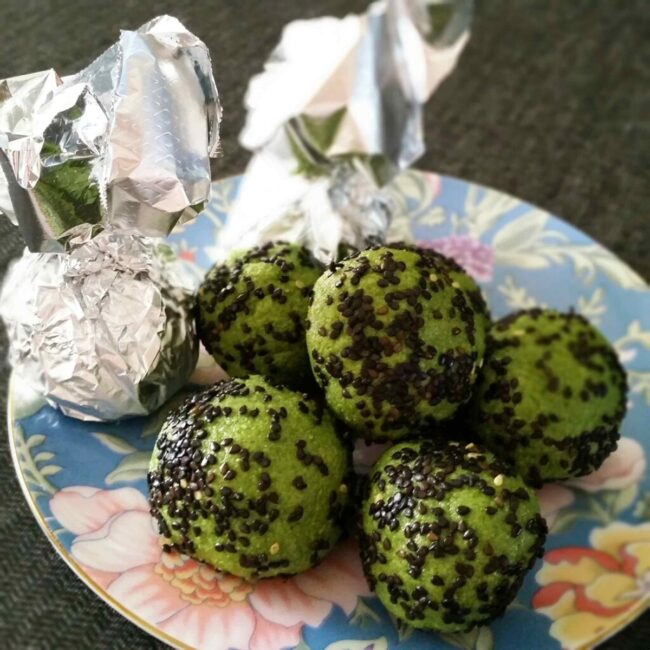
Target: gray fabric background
[551,102]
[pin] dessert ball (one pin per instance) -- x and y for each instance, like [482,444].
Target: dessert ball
[474,293]
[394,340]
[551,395]
[448,533]
[252,310]
[250,478]
[104,331]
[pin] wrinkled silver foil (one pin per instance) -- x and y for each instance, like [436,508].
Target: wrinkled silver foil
[106,331]
[123,144]
[335,115]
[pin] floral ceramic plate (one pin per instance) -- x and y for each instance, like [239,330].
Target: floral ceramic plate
[86,482]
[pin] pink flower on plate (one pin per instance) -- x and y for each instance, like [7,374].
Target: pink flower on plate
[365,455]
[186,252]
[552,499]
[117,546]
[434,183]
[474,256]
[623,468]
[207,370]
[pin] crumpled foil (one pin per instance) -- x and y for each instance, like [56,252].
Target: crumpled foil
[335,115]
[106,331]
[123,144]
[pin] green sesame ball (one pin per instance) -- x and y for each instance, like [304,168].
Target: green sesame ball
[474,293]
[251,312]
[250,478]
[448,534]
[551,395]
[394,340]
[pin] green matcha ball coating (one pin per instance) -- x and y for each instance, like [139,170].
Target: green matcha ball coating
[448,533]
[551,395]
[393,340]
[251,312]
[474,293]
[250,478]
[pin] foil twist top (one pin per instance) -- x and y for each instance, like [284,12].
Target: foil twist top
[335,115]
[124,144]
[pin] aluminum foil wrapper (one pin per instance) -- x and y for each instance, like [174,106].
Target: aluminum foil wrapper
[124,144]
[335,115]
[106,331]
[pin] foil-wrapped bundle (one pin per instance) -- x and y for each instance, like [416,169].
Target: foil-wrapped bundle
[335,115]
[123,144]
[99,317]
[106,331]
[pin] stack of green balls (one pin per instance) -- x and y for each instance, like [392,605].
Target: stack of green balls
[399,343]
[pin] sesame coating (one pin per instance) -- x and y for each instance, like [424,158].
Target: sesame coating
[551,395]
[443,546]
[224,492]
[474,294]
[394,340]
[252,310]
